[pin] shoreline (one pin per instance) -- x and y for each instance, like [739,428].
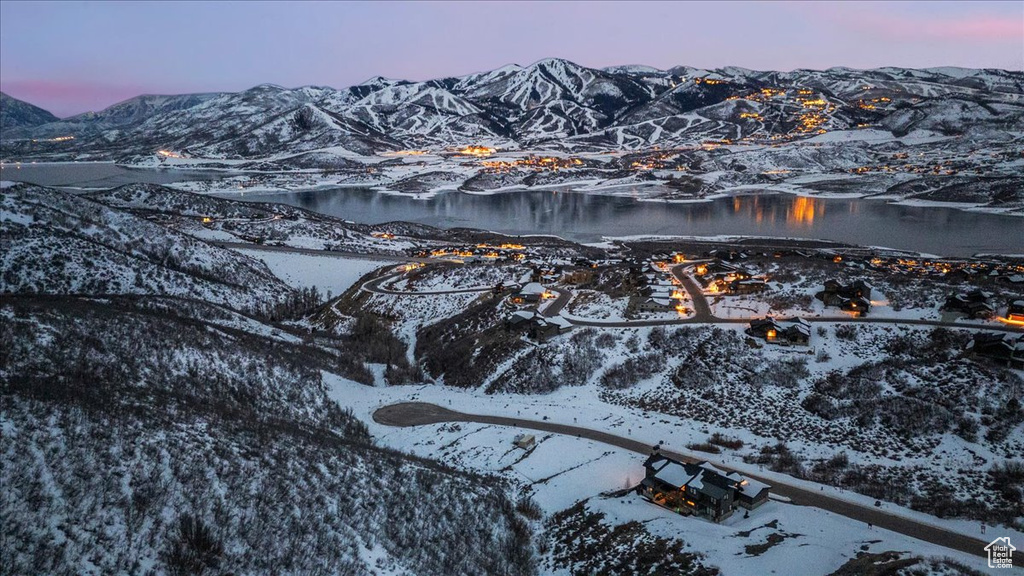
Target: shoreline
[640,191]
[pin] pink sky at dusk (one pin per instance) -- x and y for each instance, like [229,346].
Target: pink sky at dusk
[71,57]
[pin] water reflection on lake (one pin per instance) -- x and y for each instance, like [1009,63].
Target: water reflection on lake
[587,218]
[97,174]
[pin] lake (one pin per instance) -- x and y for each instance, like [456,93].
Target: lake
[98,174]
[588,218]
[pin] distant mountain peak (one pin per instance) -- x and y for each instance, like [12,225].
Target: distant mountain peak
[16,113]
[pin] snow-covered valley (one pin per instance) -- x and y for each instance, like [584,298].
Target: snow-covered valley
[178,351]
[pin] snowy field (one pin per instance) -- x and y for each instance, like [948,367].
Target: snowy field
[563,470]
[326,273]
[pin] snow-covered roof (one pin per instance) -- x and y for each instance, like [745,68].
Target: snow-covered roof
[674,474]
[523,314]
[532,288]
[712,468]
[560,321]
[752,488]
[804,329]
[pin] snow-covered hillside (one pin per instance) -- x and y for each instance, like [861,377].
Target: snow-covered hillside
[58,243]
[139,440]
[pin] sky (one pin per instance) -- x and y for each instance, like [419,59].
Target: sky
[73,57]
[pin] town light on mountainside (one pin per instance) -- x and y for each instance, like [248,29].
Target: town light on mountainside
[478,151]
[405,153]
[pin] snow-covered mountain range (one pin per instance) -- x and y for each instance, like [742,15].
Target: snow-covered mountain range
[730,121]
[549,103]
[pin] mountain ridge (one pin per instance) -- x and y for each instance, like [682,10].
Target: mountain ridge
[686,133]
[517,106]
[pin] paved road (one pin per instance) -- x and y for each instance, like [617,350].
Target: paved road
[555,308]
[822,319]
[421,413]
[701,308]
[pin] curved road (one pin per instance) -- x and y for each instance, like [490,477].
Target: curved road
[421,413]
[702,310]
[555,308]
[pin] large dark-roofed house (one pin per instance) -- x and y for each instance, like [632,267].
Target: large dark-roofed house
[796,331]
[699,488]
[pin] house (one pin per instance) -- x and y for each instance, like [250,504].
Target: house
[698,488]
[531,292]
[976,304]
[653,286]
[544,328]
[538,327]
[1000,347]
[855,297]
[795,332]
[1015,312]
[858,289]
[545,274]
[578,276]
[859,306]
[520,318]
[749,286]
[657,303]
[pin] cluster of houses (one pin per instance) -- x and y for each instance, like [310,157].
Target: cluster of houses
[854,297]
[952,270]
[699,488]
[503,253]
[795,332]
[721,277]
[659,291]
[538,326]
[979,304]
[1001,347]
